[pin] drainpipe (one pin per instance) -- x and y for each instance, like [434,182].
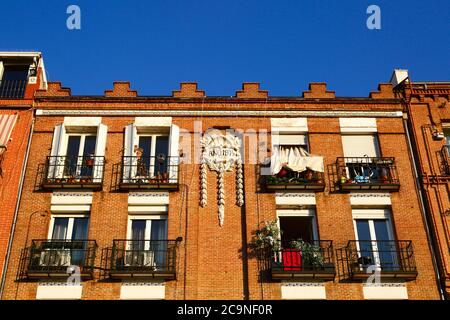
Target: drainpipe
[431,239]
[16,210]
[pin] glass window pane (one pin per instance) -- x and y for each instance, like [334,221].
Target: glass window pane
[365,243]
[80,229]
[387,250]
[60,226]
[145,143]
[159,230]
[73,146]
[138,234]
[159,244]
[161,153]
[89,145]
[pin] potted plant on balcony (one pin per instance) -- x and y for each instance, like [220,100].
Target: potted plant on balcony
[90,160]
[266,238]
[311,255]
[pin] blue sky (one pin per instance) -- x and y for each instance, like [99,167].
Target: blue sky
[156,44]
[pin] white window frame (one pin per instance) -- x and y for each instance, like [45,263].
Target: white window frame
[71,218]
[148,227]
[153,149]
[371,215]
[281,212]
[81,147]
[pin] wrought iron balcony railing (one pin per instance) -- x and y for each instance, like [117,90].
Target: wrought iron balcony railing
[390,259]
[290,180]
[366,173]
[73,172]
[12,89]
[445,155]
[158,172]
[307,260]
[142,259]
[57,259]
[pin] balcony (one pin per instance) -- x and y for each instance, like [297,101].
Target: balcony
[57,259]
[445,156]
[149,173]
[311,260]
[365,173]
[390,259]
[12,89]
[85,172]
[142,259]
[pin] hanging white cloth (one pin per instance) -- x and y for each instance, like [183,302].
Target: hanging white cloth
[296,159]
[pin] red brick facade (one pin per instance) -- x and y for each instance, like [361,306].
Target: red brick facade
[428,106]
[13,157]
[216,262]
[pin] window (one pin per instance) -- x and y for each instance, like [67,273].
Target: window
[153,157]
[360,146]
[292,140]
[297,224]
[358,151]
[375,242]
[80,155]
[147,241]
[15,73]
[68,245]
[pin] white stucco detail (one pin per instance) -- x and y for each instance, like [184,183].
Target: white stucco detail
[385,292]
[362,125]
[303,291]
[58,292]
[142,291]
[295,198]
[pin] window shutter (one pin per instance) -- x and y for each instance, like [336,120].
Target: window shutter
[130,140]
[55,167]
[360,145]
[292,139]
[100,146]
[173,161]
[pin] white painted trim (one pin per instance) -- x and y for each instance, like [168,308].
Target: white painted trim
[147,209]
[303,291]
[153,121]
[142,292]
[359,125]
[69,208]
[224,113]
[295,198]
[385,292]
[296,212]
[82,121]
[59,292]
[71,198]
[371,213]
[148,198]
[370,199]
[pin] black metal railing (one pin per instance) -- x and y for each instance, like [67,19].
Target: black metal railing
[55,258]
[367,173]
[12,88]
[390,258]
[313,259]
[288,179]
[445,155]
[152,258]
[65,171]
[149,172]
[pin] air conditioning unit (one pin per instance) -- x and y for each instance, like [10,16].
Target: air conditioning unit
[140,258]
[55,258]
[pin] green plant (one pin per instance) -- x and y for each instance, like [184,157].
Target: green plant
[311,253]
[267,236]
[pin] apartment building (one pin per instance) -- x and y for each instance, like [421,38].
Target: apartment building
[427,104]
[141,197]
[21,74]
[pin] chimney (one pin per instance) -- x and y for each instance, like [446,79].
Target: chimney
[398,76]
